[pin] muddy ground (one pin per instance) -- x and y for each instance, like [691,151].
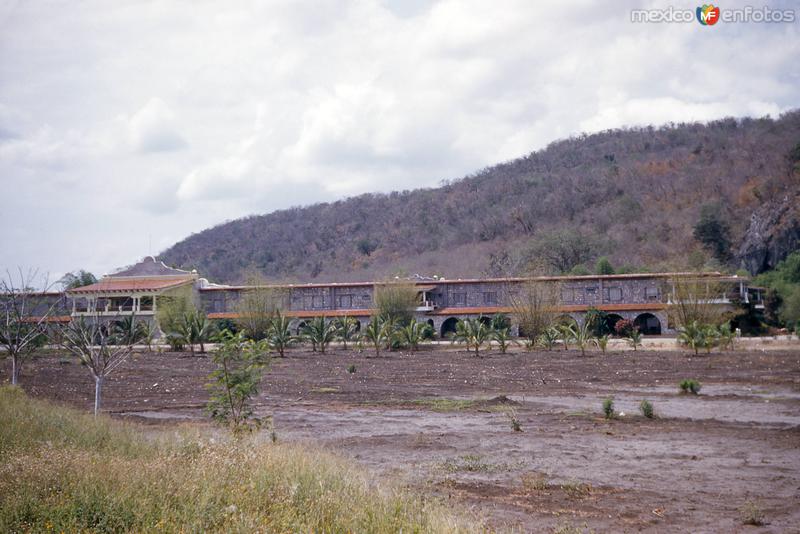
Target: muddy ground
[439,420]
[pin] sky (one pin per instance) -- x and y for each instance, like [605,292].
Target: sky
[126,126]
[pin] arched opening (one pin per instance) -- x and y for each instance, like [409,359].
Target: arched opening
[610,323]
[648,324]
[358,325]
[449,326]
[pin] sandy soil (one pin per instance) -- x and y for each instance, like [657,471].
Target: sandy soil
[439,421]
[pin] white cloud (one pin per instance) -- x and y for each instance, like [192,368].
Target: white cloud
[153,128]
[119,121]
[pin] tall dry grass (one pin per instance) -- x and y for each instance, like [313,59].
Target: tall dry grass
[66,471]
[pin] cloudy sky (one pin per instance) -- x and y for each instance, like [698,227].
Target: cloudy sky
[126,126]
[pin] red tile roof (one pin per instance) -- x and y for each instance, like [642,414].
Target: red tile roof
[125,285]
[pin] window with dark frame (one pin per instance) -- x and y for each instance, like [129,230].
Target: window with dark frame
[614,294]
[490,297]
[652,293]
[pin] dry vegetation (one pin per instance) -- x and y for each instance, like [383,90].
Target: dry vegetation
[67,472]
[633,194]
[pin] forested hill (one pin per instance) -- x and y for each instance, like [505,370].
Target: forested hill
[722,194]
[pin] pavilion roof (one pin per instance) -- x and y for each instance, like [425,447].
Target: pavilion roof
[128,285]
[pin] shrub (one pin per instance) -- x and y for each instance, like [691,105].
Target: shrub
[602,343]
[646,407]
[624,327]
[690,386]
[751,514]
[511,414]
[351,368]
[608,408]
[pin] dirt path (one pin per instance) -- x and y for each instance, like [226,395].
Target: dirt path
[433,419]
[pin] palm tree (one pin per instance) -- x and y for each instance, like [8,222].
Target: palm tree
[691,335]
[192,328]
[473,332]
[346,329]
[726,336]
[128,331]
[503,338]
[320,332]
[710,337]
[583,336]
[549,337]
[567,334]
[202,330]
[279,335]
[634,338]
[377,332]
[413,334]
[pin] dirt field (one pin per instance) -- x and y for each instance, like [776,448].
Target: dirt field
[436,420]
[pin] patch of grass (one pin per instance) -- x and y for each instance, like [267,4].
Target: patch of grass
[471,463]
[533,482]
[325,390]
[446,405]
[690,385]
[575,489]
[608,408]
[569,528]
[65,471]
[351,368]
[646,407]
[751,514]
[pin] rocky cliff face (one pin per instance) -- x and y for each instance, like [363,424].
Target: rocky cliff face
[773,234]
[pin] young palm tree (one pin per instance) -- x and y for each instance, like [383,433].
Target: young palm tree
[549,337]
[320,332]
[503,338]
[202,329]
[602,342]
[583,335]
[710,337]
[413,334]
[346,329]
[635,338]
[279,335]
[182,333]
[377,333]
[567,334]
[473,332]
[691,335]
[726,336]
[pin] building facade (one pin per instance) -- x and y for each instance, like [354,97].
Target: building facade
[641,298]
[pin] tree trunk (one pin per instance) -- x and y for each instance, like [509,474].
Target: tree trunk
[98,386]
[14,370]
[202,348]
